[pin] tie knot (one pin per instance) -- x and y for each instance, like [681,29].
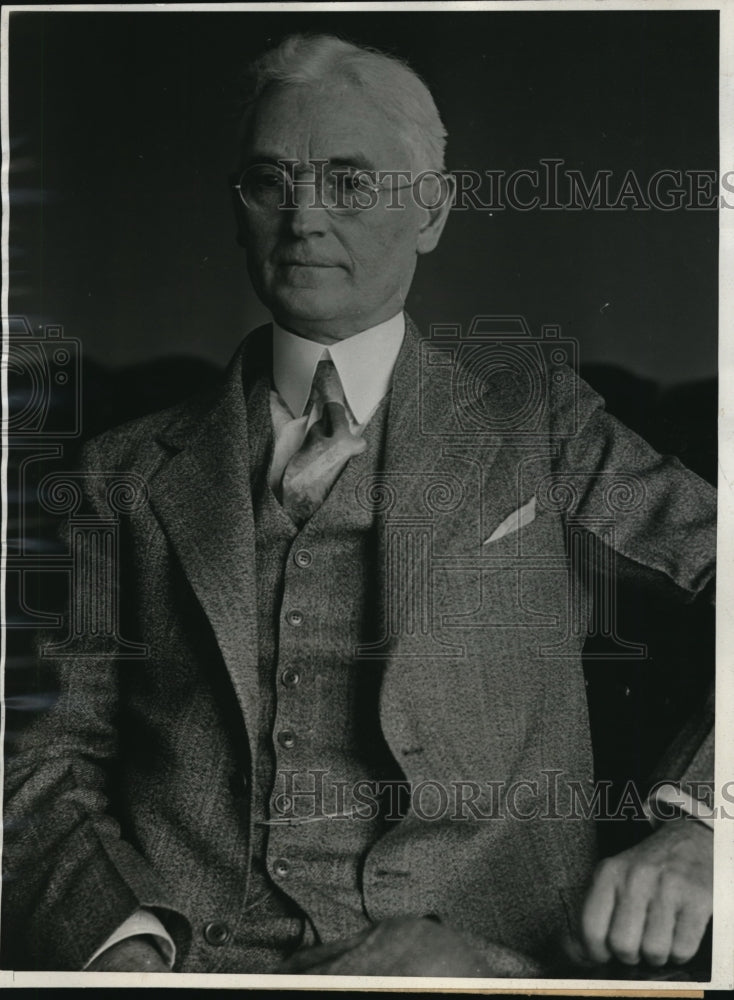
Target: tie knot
[326,386]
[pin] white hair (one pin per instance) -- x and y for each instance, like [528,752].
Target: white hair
[401,95]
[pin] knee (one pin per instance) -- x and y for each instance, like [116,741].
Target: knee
[423,946]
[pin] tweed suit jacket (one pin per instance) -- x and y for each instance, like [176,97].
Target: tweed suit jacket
[125,795]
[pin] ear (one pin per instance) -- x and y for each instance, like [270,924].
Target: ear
[434,194]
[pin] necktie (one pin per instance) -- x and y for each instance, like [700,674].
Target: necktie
[326,449]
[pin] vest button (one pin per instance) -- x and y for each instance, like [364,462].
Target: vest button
[282,804]
[290,677]
[216,933]
[295,618]
[303,558]
[281,868]
[286,738]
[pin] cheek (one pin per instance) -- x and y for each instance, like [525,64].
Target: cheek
[259,244]
[386,247]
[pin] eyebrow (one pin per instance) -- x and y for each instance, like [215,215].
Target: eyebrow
[358,160]
[354,160]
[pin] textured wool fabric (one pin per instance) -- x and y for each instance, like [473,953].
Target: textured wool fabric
[409,946]
[137,787]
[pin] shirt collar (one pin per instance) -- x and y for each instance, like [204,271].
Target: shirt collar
[364,361]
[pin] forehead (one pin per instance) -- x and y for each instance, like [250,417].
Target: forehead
[333,120]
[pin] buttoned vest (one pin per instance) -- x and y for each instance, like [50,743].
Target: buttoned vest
[321,757]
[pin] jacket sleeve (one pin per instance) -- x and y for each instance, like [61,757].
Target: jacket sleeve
[70,879]
[663,535]
[688,766]
[664,515]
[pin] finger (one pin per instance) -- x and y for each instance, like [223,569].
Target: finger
[630,914]
[573,949]
[657,937]
[689,930]
[597,912]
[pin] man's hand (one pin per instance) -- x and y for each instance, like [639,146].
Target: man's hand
[652,902]
[133,954]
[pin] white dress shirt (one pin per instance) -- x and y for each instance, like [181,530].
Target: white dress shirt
[364,362]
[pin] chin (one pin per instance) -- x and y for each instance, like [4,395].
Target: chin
[310,305]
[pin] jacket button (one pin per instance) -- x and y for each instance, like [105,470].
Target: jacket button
[295,618]
[286,738]
[303,558]
[281,868]
[290,677]
[216,933]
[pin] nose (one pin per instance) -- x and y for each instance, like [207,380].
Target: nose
[306,215]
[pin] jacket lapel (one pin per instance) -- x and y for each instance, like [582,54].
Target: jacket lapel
[427,450]
[438,476]
[202,498]
[423,438]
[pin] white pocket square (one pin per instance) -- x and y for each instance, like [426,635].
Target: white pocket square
[517,519]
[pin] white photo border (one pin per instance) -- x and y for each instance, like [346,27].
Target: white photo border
[722,975]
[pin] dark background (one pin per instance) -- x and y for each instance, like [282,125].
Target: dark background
[122,135]
[123,129]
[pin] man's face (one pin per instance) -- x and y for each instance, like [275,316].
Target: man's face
[323,274]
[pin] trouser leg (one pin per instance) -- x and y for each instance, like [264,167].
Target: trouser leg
[409,946]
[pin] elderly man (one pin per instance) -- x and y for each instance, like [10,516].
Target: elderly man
[353,579]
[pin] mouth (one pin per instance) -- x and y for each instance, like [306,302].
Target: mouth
[307,273]
[306,263]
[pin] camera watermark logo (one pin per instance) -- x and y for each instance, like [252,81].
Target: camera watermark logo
[44,381]
[497,376]
[44,414]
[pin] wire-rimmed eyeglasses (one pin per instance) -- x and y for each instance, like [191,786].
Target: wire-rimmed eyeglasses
[271,187]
